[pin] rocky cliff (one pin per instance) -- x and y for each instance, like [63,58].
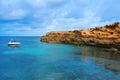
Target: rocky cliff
[108,36]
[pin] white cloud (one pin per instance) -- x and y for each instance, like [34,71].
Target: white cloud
[19,30]
[36,3]
[52,26]
[9,32]
[43,3]
[14,14]
[23,28]
[89,20]
[17,14]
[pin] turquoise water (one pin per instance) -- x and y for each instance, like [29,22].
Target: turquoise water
[35,60]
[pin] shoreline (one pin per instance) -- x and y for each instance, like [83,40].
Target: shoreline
[107,36]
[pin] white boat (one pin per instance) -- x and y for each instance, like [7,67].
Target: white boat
[13,43]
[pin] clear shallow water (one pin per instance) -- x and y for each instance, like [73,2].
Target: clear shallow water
[35,60]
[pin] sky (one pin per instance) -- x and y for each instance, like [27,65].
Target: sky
[37,17]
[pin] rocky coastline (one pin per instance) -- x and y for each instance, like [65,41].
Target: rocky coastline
[107,36]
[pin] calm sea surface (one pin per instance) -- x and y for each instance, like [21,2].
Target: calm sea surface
[35,60]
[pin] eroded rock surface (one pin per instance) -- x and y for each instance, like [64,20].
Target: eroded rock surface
[107,36]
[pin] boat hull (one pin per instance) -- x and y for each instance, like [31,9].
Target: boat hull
[14,44]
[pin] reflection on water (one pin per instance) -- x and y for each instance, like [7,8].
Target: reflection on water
[97,52]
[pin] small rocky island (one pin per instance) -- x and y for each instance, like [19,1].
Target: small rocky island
[107,36]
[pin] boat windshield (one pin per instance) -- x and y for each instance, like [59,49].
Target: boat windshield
[12,41]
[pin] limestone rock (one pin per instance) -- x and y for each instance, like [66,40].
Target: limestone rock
[108,36]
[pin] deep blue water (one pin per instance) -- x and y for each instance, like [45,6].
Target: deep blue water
[35,60]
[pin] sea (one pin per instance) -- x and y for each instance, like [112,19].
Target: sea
[35,60]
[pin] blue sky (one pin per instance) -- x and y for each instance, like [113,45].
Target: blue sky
[36,17]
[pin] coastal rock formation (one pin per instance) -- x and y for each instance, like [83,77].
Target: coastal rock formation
[108,36]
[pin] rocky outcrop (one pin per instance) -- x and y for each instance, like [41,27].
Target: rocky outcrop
[108,36]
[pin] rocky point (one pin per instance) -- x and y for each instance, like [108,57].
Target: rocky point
[106,36]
